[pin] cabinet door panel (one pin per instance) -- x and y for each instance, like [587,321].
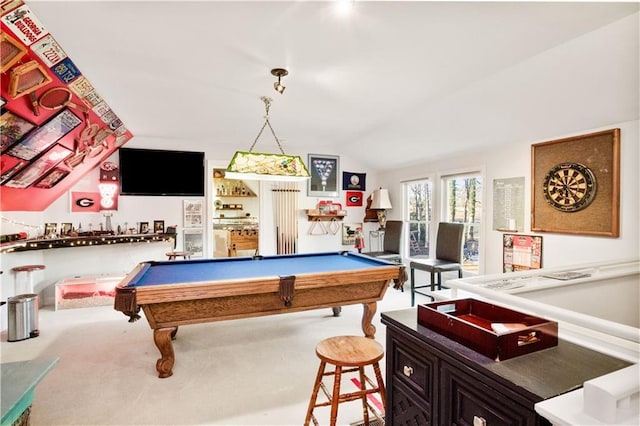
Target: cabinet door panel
[466,401]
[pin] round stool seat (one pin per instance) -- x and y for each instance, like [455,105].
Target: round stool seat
[27,268]
[349,350]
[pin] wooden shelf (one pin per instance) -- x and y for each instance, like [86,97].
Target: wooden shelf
[85,241]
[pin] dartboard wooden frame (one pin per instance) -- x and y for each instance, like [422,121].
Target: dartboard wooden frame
[598,212]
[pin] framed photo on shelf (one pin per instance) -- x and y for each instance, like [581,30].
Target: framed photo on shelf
[575,185]
[50,228]
[45,136]
[193,242]
[39,168]
[143,228]
[192,214]
[324,171]
[12,129]
[158,226]
[65,228]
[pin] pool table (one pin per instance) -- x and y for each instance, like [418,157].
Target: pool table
[182,292]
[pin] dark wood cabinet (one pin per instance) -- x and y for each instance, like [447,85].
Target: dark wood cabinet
[432,380]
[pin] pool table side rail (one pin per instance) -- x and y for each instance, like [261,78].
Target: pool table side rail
[206,289]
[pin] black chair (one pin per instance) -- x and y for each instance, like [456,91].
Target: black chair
[449,243]
[391,249]
[392,242]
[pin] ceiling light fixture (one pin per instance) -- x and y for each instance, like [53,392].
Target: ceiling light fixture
[249,165]
[279,72]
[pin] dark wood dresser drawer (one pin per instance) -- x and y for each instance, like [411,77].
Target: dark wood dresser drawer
[468,401]
[416,368]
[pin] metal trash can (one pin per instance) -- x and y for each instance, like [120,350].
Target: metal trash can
[22,313]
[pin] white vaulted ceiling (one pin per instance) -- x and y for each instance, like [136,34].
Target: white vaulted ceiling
[394,83]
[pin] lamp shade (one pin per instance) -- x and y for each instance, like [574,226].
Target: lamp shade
[380,199]
[259,166]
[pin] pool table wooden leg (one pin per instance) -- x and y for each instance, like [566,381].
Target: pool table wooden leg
[367,316]
[162,338]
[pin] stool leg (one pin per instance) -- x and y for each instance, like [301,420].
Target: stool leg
[335,398]
[314,394]
[363,387]
[381,389]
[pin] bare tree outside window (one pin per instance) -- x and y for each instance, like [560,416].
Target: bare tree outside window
[419,205]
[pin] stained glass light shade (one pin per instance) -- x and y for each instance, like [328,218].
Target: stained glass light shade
[260,166]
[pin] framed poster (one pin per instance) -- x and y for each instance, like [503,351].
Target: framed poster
[575,185]
[12,129]
[349,233]
[324,171]
[45,136]
[52,178]
[192,213]
[521,252]
[193,242]
[508,204]
[39,168]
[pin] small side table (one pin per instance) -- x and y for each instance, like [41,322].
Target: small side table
[378,237]
[29,270]
[173,255]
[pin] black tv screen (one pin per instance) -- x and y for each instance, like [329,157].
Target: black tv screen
[161,172]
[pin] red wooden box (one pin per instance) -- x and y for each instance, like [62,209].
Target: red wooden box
[496,332]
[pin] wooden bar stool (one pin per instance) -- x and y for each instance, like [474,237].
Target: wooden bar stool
[29,270]
[173,255]
[347,354]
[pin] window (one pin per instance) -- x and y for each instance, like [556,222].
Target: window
[462,203]
[418,216]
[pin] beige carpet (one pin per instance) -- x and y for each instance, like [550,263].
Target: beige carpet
[256,371]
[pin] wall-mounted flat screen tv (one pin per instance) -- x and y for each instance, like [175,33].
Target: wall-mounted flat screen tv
[161,172]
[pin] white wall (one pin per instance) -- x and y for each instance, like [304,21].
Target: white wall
[515,161]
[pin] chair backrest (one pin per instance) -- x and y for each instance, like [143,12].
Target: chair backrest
[449,241]
[392,236]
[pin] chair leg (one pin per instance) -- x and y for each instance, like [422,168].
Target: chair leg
[413,287]
[460,273]
[433,282]
[314,394]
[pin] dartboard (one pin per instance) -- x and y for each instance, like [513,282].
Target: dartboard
[569,187]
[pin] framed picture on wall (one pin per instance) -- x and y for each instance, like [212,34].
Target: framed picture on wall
[12,129]
[521,252]
[39,168]
[193,242]
[192,214]
[45,136]
[575,185]
[52,178]
[324,171]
